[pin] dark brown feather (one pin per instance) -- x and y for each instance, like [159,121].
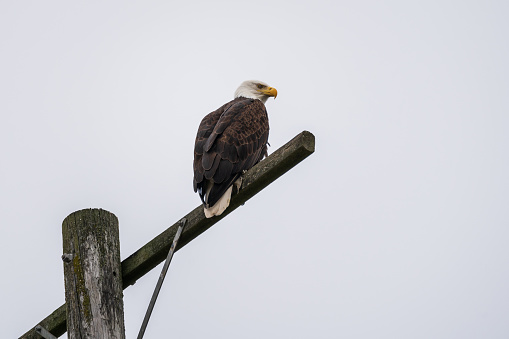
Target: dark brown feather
[229,141]
[208,160]
[223,171]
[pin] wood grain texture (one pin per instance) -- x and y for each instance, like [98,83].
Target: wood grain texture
[93,279]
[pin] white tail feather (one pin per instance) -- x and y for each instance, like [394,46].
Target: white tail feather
[220,205]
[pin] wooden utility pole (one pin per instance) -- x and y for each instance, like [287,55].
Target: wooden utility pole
[93,275]
[155,251]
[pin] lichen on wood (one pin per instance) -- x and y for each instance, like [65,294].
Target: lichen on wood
[93,290]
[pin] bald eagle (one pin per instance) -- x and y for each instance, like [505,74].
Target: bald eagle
[229,141]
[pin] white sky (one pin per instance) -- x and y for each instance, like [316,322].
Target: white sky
[397,226]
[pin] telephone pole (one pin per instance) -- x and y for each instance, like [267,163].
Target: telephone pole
[93,275]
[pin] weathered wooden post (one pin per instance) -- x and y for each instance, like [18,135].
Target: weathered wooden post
[93,276]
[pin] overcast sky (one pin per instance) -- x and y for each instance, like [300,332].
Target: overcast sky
[396,227]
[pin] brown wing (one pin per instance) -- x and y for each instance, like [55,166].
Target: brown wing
[229,141]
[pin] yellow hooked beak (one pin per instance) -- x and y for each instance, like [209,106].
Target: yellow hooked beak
[269,91]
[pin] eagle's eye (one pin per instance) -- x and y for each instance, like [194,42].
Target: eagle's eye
[260,86]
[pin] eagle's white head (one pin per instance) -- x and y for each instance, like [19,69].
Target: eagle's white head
[255,89]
